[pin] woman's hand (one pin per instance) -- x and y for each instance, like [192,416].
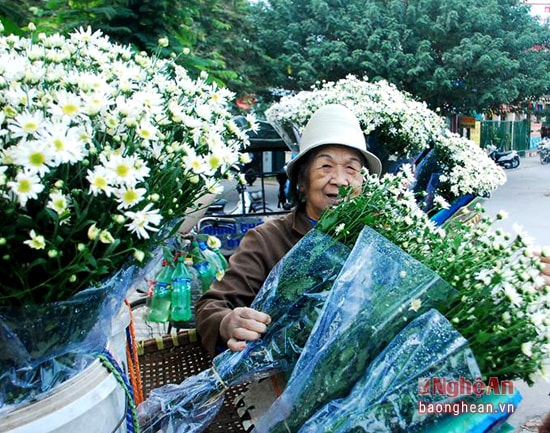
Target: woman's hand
[241,325]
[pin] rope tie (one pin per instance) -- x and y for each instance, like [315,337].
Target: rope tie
[219,377]
[133,359]
[108,361]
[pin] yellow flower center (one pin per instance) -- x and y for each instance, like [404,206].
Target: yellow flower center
[122,170]
[59,205]
[145,134]
[37,159]
[69,109]
[24,186]
[29,127]
[100,182]
[215,162]
[58,144]
[130,196]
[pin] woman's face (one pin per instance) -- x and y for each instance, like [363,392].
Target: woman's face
[332,167]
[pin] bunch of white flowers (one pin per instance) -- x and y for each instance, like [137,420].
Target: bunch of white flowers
[101,149]
[398,128]
[502,302]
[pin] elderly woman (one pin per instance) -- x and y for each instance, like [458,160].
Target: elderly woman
[332,154]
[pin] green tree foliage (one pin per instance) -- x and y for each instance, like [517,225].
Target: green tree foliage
[457,55]
[16,14]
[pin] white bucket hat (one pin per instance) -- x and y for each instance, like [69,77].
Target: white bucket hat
[335,124]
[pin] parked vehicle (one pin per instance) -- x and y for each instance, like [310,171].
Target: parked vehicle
[544,150]
[506,159]
[248,202]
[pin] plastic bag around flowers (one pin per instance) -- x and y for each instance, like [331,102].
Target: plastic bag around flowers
[380,289]
[293,295]
[44,345]
[388,397]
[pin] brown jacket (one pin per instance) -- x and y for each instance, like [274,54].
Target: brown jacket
[260,249]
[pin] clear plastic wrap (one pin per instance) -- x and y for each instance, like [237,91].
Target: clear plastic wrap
[43,345]
[386,398]
[380,289]
[293,295]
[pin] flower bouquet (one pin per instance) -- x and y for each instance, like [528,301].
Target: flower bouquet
[386,398]
[294,294]
[502,297]
[380,289]
[398,129]
[425,366]
[104,151]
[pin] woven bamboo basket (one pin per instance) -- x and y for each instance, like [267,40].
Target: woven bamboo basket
[173,358]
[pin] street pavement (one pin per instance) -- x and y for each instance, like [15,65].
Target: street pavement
[526,198]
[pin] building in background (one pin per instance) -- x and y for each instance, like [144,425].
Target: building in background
[540,9]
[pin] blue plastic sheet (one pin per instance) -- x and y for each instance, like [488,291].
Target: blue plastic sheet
[386,398]
[44,345]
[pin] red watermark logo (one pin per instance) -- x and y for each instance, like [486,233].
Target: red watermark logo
[453,389]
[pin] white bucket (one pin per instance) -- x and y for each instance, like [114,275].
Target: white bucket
[91,401]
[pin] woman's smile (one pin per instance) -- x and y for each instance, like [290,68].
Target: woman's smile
[333,167]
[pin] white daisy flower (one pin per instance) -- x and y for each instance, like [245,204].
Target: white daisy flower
[146,130]
[513,295]
[66,104]
[196,164]
[36,242]
[65,143]
[26,124]
[26,186]
[128,197]
[121,169]
[98,179]
[143,221]
[58,202]
[34,156]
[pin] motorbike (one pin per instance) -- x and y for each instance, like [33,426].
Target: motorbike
[248,202]
[544,150]
[506,159]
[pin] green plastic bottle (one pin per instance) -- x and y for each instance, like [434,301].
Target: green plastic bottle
[196,288]
[216,257]
[181,293]
[162,295]
[205,269]
[221,258]
[216,262]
